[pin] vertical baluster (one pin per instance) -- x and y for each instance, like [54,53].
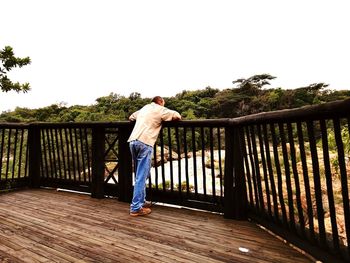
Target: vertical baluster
[179,159]
[54,160]
[155,166]
[252,164]
[194,157]
[45,162]
[108,148]
[14,155]
[162,160]
[287,174]
[82,153]
[306,182]
[2,150]
[279,175]
[271,174]
[263,160]
[328,175]
[296,178]
[72,153]
[58,154]
[68,153]
[212,157]
[317,183]
[257,169]
[20,153]
[26,166]
[249,178]
[186,161]
[171,161]
[87,150]
[8,154]
[46,149]
[343,178]
[203,162]
[43,173]
[77,153]
[220,165]
[63,153]
[52,164]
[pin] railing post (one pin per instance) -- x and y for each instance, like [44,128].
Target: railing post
[34,151]
[235,199]
[125,165]
[98,166]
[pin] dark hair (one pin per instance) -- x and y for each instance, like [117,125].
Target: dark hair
[158,100]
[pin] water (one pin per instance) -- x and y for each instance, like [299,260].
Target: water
[204,175]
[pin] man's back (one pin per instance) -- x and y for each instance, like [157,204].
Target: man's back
[148,122]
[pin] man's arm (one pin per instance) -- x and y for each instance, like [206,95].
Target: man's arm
[133,116]
[176,116]
[170,115]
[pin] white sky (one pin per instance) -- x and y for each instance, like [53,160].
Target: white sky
[85,49]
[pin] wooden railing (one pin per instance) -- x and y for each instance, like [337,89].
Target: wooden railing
[287,169]
[296,166]
[191,164]
[14,164]
[94,157]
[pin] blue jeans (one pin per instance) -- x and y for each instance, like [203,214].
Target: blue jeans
[142,156]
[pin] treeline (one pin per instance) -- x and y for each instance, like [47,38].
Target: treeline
[209,103]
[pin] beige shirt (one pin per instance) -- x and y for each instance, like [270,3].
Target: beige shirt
[149,122]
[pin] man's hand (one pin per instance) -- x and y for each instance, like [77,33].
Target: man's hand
[176,117]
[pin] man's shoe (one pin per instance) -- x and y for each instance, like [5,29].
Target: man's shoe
[147,204]
[141,212]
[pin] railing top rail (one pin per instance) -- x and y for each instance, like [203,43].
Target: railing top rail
[13,125]
[80,124]
[199,123]
[320,111]
[116,124]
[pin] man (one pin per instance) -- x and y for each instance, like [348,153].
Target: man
[141,141]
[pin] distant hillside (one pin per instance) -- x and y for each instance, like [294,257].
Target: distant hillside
[207,103]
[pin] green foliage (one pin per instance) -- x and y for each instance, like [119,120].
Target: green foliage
[345,137]
[246,98]
[334,160]
[160,186]
[189,114]
[184,187]
[8,61]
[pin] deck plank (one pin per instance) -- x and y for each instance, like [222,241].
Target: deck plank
[44,225]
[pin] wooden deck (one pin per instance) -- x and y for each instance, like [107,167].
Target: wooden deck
[54,226]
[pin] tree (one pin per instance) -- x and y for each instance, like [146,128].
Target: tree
[135,96]
[254,83]
[8,62]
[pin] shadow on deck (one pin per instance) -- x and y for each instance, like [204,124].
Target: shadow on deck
[55,226]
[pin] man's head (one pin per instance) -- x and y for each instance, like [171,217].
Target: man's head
[159,100]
